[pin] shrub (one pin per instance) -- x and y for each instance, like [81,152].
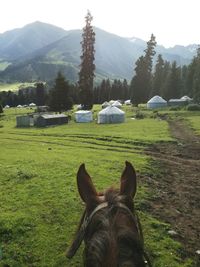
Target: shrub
[175,108]
[139,115]
[1,109]
[193,107]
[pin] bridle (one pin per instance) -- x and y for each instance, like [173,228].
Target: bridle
[87,219]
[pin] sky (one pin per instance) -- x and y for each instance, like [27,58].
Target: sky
[173,22]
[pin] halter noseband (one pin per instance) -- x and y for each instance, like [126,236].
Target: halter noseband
[86,221]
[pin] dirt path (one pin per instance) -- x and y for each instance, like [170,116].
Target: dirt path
[177,186]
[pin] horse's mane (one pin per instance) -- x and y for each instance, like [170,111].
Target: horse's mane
[108,233]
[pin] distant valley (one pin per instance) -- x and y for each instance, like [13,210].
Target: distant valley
[39,50]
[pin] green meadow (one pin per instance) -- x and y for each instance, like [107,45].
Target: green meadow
[14,86]
[39,203]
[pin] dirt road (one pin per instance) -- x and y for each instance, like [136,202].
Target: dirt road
[177,187]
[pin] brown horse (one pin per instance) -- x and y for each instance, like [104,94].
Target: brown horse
[109,226]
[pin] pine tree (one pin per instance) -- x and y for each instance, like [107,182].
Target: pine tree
[102,92]
[158,77]
[86,74]
[125,90]
[142,81]
[40,94]
[59,99]
[184,72]
[174,82]
[192,80]
[166,74]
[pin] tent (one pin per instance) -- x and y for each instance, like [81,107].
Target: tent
[105,104]
[127,102]
[177,102]
[186,98]
[83,116]
[156,102]
[32,105]
[117,104]
[79,107]
[111,114]
[111,102]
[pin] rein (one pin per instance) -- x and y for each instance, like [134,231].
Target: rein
[81,233]
[86,221]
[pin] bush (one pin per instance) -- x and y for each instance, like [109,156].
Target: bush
[1,109]
[176,108]
[139,115]
[193,107]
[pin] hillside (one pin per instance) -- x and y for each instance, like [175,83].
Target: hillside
[20,42]
[44,49]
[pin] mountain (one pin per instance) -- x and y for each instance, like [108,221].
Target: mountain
[39,50]
[20,42]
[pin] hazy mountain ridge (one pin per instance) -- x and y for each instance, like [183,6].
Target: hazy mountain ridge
[39,51]
[22,41]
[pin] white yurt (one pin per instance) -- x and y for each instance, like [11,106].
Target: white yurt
[79,107]
[19,106]
[105,104]
[156,102]
[111,102]
[83,116]
[7,106]
[32,105]
[117,104]
[111,114]
[186,98]
[127,102]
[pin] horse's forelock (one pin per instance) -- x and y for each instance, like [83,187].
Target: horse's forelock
[110,238]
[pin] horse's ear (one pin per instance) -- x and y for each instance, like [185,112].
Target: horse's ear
[128,181]
[85,186]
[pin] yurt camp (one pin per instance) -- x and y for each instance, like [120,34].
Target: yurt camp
[156,102]
[111,114]
[83,116]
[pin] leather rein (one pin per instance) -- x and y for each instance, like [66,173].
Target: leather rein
[86,221]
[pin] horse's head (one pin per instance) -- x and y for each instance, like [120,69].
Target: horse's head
[109,227]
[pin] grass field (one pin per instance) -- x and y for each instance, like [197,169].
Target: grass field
[14,86]
[195,123]
[39,203]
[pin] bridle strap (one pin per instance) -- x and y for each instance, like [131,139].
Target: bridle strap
[81,233]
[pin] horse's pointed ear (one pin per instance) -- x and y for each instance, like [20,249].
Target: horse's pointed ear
[85,186]
[128,181]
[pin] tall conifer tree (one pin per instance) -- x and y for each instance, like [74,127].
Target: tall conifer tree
[142,81]
[86,74]
[59,99]
[158,77]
